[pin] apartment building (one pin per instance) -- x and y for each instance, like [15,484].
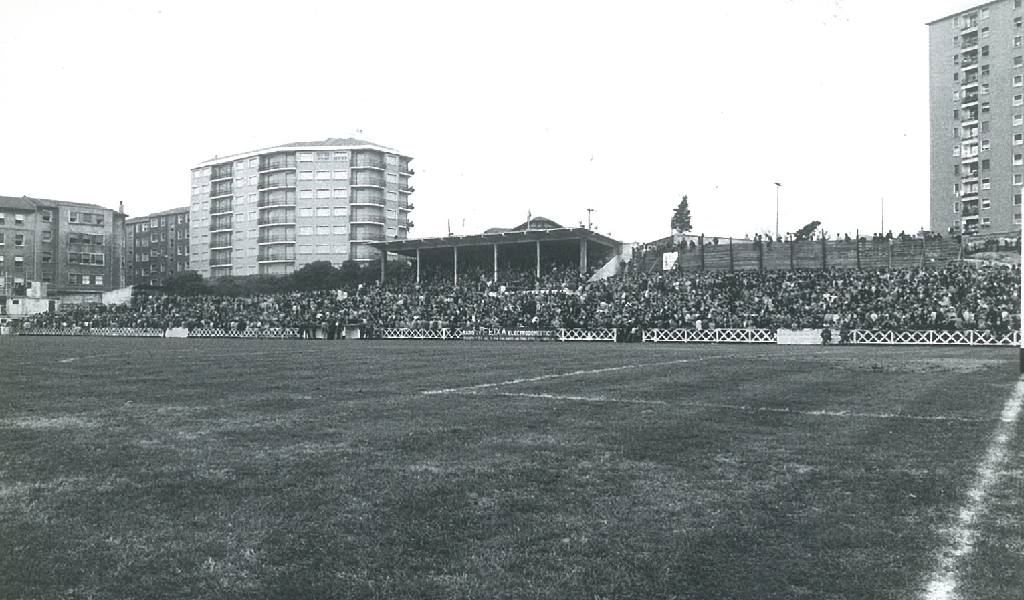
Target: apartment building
[75,248]
[157,246]
[976,98]
[273,210]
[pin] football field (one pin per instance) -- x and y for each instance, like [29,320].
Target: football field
[134,468]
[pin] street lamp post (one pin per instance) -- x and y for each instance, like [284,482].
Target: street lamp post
[777,186]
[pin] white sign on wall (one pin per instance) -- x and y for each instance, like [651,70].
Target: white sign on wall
[668,260]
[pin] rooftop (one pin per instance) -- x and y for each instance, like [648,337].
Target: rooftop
[163,213]
[352,143]
[28,203]
[962,11]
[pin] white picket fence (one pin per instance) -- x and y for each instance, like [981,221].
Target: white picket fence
[96,331]
[408,333]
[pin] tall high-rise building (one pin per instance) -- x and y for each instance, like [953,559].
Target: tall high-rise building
[77,249]
[271,211]
[976,90]
[157,246]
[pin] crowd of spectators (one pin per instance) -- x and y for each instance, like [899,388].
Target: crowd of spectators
[952,297]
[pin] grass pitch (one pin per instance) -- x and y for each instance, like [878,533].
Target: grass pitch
[289,469]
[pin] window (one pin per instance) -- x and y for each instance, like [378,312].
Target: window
[323,156]
[1018,99]
[306,212]
[956,76]
[323,249]
[1016,218]
[984,165]
[339,211]
[305,156]
[3,219]
[1,238]
[1018,139]
[252,180]
[19,260]
[306,230]
[339,193]
[340,250]
[984,88]
[393,196]
[1018,179]
[305,194]
[339,230]
[252,200]
[986,184]
[391,159]
[984,50]
[47,216]
[955,113]
[984,13]
[322,175]
[392,177]
[252,163]
[985,145]
[1018,159]
[341,174]
[984,32]
[341,156]
[986,221]
[305,175]
[322,194]
[323,211]
[19,240]
[97,279]
[323,230]
[305,249]
[1,259]
[1018,41]
[1017,22]
[986,203]
[984,70]
[19,219]
[984,107]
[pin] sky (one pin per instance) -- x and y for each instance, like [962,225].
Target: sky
[508,109]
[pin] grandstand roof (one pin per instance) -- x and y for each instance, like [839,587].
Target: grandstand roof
[409,247]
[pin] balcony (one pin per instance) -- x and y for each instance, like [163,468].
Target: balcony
[221,264]
[276,181]
[267,220]
[223,172]
[280,236]
[406,170]
[367,237]
[366,202]
[969,63]
[217,191]
[406,206]
[969,177]
[367,163]
[276,163]
[272,201]
[406,189]
[377,182]
[969,99]
[366,219]
[969,83]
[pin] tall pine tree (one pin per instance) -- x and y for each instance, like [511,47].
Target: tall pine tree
[681,217]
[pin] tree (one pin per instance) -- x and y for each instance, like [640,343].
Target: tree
[188,283]
[681,217]
[319,275]
[806,232]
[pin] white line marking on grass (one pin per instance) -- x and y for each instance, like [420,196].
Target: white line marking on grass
[577,398]
[943,581]
[484,386]
[844,414]
[67,360]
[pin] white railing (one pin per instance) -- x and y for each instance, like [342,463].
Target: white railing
[408,333]
[711,336]
[271,333]
[588,335]
[934,338]
[96,331]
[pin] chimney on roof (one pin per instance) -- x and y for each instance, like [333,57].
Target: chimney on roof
[120,207]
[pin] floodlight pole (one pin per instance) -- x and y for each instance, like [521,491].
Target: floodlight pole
[1021,331]
[777,186]
[589,210]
